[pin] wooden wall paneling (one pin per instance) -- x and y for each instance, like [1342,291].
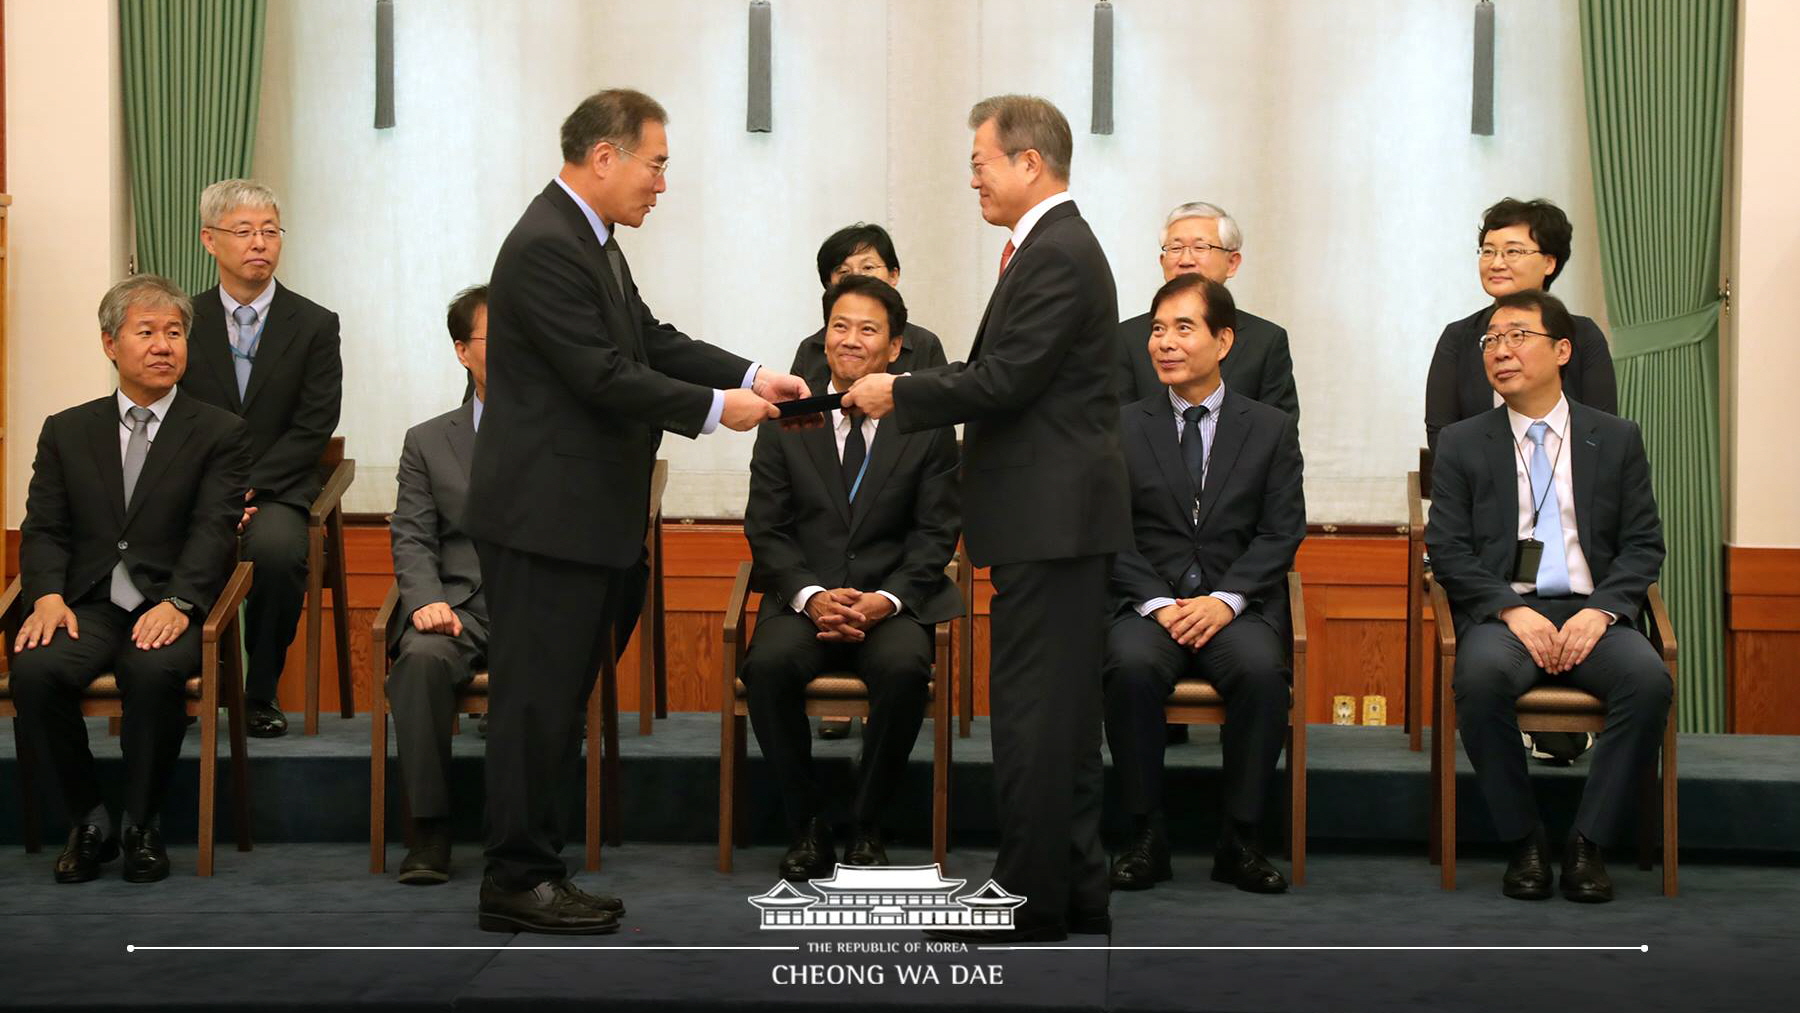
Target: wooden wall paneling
[1762,675]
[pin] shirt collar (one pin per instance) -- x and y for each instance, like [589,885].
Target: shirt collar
[260,304]
[1212,402]
[838,415]
[158,408]
[1029,219]
[601,232]
[1557,420]
[476,423]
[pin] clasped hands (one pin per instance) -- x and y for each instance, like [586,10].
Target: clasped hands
[845,615]
[746,408]
[1553,650]
[1193,621]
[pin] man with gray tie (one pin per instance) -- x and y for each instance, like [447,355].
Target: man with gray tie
[270,356]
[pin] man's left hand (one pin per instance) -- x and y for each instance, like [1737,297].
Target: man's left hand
[873,395]
[778,387]
[158,627]
[1576,639]
[1200,619]
[874,608]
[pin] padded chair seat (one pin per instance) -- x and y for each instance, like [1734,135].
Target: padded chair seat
[834,686]
[1561,700]
[479,684]
[1195,693]
[104,688]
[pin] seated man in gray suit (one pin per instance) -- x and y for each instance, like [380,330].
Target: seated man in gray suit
[442,641]
[850,525]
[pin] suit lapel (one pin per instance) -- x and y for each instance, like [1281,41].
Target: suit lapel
[210,333]
[618,312]
[821,446]
[1584,457]
[277,337]
[1228,440]
[461,434]
[884,455]
[171,433]
[1064,210]
[627,305]
[1159,429]
[1501,453]
[105,439]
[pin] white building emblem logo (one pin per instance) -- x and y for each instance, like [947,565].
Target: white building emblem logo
[886,897]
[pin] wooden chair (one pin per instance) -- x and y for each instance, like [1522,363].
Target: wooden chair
[602,720]
[325,565]
[965,645]
[221,640]
[1418,489]
[1196,702]
[1551,708]
[836,694]
[653,661]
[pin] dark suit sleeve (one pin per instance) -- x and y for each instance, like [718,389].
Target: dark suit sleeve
[1280,524]
[778,564]
[413,531]
[1450,533]
[929,353]
[684,358]
[1640,542]
[44,534]
[1124,376]
[1135,581]
[297,450]
[1441,407]
[932,541]
[1278,389]
[1018,360]
[1599,381]
[206,556]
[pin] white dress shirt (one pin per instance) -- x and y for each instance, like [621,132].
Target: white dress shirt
[1029,219]
[159,410]
[603,233]
[840,428]
[260,304]
[1209,426]
[475,423]
[1581,579]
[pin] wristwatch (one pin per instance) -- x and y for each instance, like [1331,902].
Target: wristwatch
[182,605]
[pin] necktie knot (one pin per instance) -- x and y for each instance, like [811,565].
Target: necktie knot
[137,417]
[1194,413]
[244,315]
[1537,432]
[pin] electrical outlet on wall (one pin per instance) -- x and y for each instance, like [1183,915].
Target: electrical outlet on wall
[1374,710]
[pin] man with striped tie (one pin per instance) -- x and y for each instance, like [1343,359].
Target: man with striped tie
[1544,534]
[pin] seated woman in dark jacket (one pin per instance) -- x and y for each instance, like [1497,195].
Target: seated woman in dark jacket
[1524,245]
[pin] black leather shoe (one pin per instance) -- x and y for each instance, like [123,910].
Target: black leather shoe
[264,720]
[1244,867]
[811,854]
[1098,923]
[86,851]
[835,728]
[146,860]
[1528,871]
[599,901]
[427,862]
[1144,862]
[556,908]
[1584,877]
[866,847]
[1175,735]
[1020,934]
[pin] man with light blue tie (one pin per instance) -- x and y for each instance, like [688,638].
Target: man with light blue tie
[269,356]
[1545,537]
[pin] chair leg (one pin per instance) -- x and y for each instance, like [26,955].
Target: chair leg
[728,773]
[209,776]
[659,642]
[591,832]
[340,615]
[965,677]
[236,718]
[378,756]
[1297,793]
[612,795]
[1443,737]
[1671,823]
[315,623]
[30,814]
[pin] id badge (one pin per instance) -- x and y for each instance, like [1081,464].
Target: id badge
[1525,561]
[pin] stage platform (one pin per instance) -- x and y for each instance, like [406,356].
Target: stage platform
[1740,794]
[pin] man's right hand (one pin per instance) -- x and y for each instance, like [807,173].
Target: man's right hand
[437,617]
[249,511]
[832,612]
[47,614]
[744,410]
[1534,630]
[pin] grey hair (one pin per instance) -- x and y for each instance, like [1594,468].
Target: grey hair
[1027,122]
[148,290]
[227,195]
[1229,233]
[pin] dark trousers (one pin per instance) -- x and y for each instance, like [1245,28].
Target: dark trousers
[1048,622]
[1245,661]
[47,684]
[274,540]
[429,669]
[550,624]
[1493,669]
[894,662]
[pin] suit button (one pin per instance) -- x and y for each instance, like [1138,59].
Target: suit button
[852,555]
[124,545]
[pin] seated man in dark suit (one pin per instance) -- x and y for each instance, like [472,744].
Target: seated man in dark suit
[850,527]
[128,539]
[1544,535]
[1202,239]
[271,356]
[441,642]
[1218,513]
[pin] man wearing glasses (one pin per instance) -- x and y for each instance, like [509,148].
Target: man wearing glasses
[1200,238]
[269,355]
[1544,534]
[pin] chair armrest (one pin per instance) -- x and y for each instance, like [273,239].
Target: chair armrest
[1415,507]
[953,571]
[659,480]
[1662,632]
[385,614]
[331,496]
[225,611]
[12,615]
[1440,614]
[734,608]
[1297,611]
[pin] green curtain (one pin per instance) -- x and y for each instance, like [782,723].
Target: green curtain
[1658,77]
[192,81]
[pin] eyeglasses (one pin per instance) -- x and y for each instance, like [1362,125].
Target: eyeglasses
[1177,250]
[1511,254]
[976,164]
[1512,338]
[657,166]
[245,235]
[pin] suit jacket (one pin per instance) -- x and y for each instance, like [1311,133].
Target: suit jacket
[1473,529]
[1252,511]
[434,559]
[1457,386]
[919,349]
[177,536]
[1259,365]
[896,537]
[290,406]
[582,380]
[1042,477]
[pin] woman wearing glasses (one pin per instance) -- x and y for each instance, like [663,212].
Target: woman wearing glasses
[1524,245]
